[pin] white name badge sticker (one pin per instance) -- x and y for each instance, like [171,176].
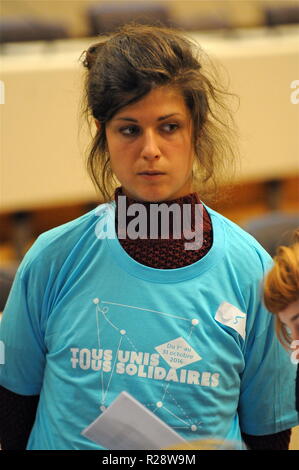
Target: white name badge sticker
[231,316]
[128,425]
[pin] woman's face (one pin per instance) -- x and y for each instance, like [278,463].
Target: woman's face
[290,317]
[153,135]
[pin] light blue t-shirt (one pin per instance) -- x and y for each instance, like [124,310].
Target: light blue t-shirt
[84,321]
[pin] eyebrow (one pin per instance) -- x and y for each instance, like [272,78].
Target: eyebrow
[161,118]
[294,317]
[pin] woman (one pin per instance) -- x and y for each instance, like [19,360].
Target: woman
[281,296]
[166,307]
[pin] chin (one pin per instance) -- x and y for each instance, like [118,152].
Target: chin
[149,196]
[155,194]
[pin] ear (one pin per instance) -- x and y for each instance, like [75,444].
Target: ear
[98,124]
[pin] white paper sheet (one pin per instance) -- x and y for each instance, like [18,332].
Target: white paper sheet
[128,425]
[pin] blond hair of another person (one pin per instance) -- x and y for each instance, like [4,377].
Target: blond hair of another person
[281,291]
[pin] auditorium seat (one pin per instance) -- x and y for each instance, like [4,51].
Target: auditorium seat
[7,275]
[106,17]
[273,229]
[275,16]
[21,29]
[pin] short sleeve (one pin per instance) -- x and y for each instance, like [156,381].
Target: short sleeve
[267,394]
[21,333]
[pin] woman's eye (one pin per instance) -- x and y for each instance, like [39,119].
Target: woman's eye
[132,131]
[129,130]
[170,127]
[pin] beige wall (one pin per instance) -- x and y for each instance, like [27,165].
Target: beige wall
[242,12]
[42,160]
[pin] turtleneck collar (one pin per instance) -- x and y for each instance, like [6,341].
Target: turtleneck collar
[189,198]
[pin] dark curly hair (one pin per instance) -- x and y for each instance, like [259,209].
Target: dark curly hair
[125,66]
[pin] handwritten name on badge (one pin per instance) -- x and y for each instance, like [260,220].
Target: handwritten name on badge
[231,316]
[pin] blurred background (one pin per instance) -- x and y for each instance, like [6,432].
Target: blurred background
[43,139]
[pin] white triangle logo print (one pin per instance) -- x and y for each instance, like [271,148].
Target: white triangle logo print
[231,316]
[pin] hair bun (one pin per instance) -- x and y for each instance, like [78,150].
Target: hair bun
[90,55]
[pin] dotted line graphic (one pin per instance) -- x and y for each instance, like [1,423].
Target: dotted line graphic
[102,313]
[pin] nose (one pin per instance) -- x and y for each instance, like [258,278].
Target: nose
[150,146]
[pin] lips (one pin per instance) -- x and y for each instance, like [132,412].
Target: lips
[152,172]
